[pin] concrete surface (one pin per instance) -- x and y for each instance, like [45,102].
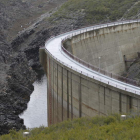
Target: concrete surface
[76,91]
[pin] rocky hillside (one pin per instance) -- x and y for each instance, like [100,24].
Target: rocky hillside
[25,25]
[16,74]
[72,15]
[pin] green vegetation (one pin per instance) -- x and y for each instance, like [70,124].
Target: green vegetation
[100,10]
[96,128]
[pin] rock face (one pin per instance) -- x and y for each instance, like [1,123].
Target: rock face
[16,86]
[134,71]
[19,56]
[16,76]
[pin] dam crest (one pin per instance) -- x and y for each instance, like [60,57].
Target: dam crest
[84,69]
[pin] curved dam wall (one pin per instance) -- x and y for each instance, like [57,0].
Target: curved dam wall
[72,94]
[111,44]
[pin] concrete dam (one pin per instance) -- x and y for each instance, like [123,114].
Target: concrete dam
[84,69]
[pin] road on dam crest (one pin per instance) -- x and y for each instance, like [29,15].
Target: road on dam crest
[53,46]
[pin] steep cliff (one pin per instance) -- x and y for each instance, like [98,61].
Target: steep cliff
[16,74]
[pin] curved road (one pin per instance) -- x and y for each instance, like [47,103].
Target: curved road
[53,47]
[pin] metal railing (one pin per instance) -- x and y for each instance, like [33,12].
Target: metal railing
[97,69]
[94,77]
[118,85]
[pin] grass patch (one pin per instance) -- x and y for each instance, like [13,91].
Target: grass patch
[96,128]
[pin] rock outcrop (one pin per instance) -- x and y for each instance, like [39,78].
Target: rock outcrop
[18,57]
[15,89]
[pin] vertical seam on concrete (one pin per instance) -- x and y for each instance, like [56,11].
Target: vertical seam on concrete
[53,91]
[104,95]
[57,92]
[85,44]
[104,102]
[99,99]
[80,99]
[137,105]
[120,102]
[62,93]
[46,65]
[126,103]
[111,99]
[129,106]
[130,103]
[46,68]
[67,96]
[50,98]
[71,99]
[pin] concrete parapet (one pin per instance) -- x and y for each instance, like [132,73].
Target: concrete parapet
[111,44]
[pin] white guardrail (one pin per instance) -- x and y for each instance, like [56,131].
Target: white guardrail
[50,47]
